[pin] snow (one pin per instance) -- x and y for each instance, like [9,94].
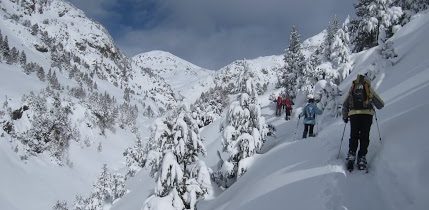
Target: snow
[305,174]
[288,173]
[185,78]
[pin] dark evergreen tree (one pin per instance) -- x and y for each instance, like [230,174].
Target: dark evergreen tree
[4,48]
[53,82]
[73,71]
[51,129]
[34,29]
[14,56]
[23,58]
[127,96]
[105,111]
[41,73]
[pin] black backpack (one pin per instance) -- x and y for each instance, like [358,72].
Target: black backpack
[360,95]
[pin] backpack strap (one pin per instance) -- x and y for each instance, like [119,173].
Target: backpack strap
[368,93]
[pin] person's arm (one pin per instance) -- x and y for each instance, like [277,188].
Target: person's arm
[318,110]
[376,100]
[302,113]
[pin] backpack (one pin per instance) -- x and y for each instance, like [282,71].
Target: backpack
[360,95]
[309,112]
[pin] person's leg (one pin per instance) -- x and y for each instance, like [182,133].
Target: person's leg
[354,134]
[304,135]
[287,114]
[311,134]
[365,127]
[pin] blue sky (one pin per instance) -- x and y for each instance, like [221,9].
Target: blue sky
[212,33]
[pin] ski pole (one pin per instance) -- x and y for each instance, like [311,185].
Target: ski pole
[378,128]
[296,129]
[342,137]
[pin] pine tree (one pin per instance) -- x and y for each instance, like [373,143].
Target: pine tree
[340,52]
[53,81]
[104,111]
[34,29]
[51,129]
[108,188]
[374,23]
[1,45]
[5,48]
[13,57]
[41,74]
[23,58]
[294,64]
[73,71]
[173,155]
[127,94]
[331,32]
[244,133]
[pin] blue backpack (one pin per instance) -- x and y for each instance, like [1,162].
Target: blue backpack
[309,113]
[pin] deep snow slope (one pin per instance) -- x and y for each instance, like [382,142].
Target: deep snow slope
[37,181]
[305,174]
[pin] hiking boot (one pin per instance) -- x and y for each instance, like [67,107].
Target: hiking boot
[351,156]
[362,163]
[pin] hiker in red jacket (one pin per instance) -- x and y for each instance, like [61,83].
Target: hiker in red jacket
[279,106]
[287,104]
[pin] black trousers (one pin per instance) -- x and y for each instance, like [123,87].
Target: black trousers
[306,128]
[360,126]
[278,110]
[287,114]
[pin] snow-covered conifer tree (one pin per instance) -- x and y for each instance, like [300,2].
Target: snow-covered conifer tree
[244,133]
[23,58]
[41,73]
[51,129]
[172,155]
[53,81]
[340,52]
[294,64]
[4,48]
[108,188]
[376,21]
[331,32]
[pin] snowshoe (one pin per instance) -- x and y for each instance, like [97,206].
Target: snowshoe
[350,162]
[362,164]
[350,165]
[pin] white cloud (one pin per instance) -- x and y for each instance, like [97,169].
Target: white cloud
[213,33]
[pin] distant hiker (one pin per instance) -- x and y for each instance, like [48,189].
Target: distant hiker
[279,106]
[358,106]
[287,104]
[309,113]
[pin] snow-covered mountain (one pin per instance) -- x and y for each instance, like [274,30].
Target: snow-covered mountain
[185,78]
[51,31]
[306,174]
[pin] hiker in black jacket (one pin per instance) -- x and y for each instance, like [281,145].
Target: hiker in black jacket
[358,107]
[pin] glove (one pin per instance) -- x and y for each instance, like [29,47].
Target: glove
[346,120]
[299,116]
